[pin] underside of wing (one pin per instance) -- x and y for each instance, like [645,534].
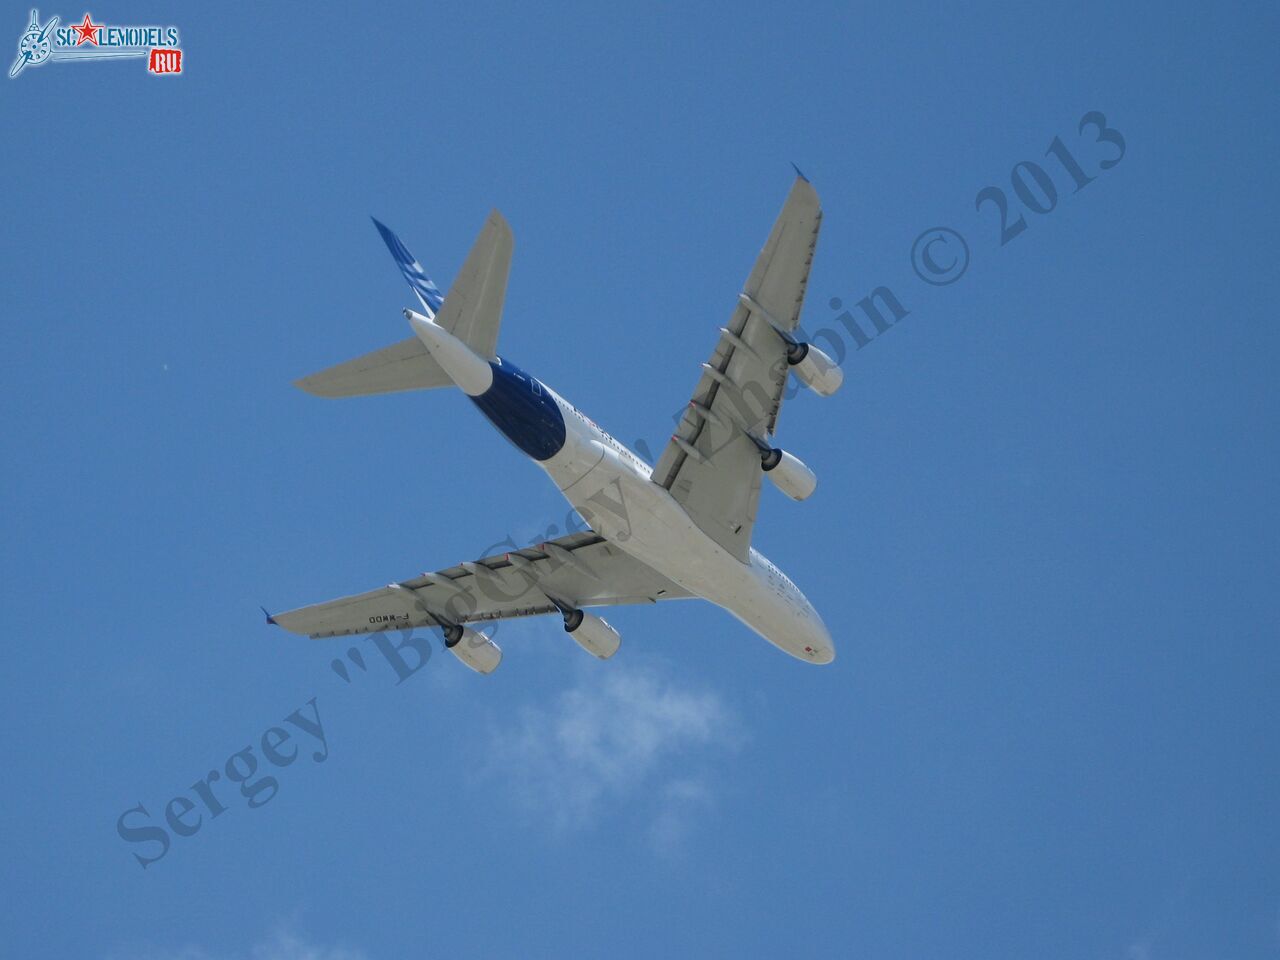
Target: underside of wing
[712,465]
[580,570]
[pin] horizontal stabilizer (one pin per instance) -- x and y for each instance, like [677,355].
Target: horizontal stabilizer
[402,366]
[472,310]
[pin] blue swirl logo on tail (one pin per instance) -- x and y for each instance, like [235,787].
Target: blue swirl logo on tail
[428,293]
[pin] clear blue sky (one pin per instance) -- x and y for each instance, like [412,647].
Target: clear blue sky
[1045,535]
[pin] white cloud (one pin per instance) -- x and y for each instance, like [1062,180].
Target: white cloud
[618,734]
[287,946]
[283,944]
[681,801]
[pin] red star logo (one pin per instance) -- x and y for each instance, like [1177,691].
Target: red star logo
[88,31]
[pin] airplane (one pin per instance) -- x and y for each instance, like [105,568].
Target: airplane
[678,530]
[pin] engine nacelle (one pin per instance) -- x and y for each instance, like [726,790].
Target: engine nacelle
[815,369]
[473,648]
[593,634]
[789,474]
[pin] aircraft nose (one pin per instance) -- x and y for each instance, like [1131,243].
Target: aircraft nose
[818,646]
[820,655]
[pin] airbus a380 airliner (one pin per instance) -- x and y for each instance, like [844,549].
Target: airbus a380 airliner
[681,529]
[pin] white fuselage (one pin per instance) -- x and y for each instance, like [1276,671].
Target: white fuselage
[611,488]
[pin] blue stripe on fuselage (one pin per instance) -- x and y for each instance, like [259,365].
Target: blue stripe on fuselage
[523,409]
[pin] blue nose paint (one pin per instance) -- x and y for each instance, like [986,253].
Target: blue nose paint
[523,409]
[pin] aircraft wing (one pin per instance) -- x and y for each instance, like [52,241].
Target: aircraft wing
[582,569]
[710,465]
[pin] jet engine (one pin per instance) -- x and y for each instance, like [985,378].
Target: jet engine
[789,474]
[592,633]
[473,648]
[814,368]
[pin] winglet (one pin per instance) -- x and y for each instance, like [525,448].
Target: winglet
[270,619]
[799,173]
[428,293]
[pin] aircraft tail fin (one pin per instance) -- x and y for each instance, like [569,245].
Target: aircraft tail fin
[472,312]
[428,293]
